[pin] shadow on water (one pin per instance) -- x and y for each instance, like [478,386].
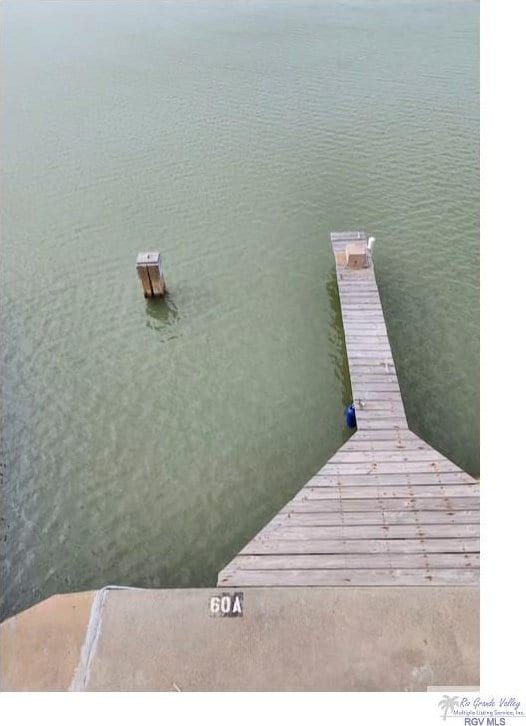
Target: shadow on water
[337,338]
[162,316]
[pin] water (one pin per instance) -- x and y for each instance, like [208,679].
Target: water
[146,442]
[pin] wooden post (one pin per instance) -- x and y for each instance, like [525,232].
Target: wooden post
[150,271]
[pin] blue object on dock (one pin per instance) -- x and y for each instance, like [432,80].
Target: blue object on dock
[350,416]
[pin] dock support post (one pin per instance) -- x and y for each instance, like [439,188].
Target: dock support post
[150,271]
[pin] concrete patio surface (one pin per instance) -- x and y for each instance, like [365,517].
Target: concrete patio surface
[40,647]
[288,639]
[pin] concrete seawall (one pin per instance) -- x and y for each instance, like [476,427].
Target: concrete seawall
[288,639]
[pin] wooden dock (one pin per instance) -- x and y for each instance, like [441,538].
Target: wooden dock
[386,509]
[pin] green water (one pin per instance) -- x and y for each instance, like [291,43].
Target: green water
[145,443]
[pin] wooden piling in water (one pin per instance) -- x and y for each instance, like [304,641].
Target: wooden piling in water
[150,271]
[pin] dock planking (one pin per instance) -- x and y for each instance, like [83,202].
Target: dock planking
[387,509]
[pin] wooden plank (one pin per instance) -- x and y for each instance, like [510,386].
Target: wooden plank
[381,391]
[357,444]
[353,307]
[360,369]
[367,340]
[354,546]
[379,408]
[420,467]
[363,561]
[355,321]
[374,531]
[367,402]
[382,409]
[385,407]
[413,455]
[352,301]
[371,383]
[306,504]
[423,491]
[374,354]
[356,280]
[369,328]
[356,578]
[347,289]
[371,379]
[377,412]
[354,310]
[145,281]
[373,362]
[363,316]
[316,520]
[365,276]
[352,293]
[358,352]
[387,435]
[325,478]
[350,297]
[374,424]
[350,288]
[374,387]
[349,236]
[362,396]
[360,314]
[157,281]
[395,413]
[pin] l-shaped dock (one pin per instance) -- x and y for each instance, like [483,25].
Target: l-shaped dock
[387,508]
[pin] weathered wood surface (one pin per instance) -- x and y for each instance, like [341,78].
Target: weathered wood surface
[350,577]
[158,286]
[385,480]
[377,560]
[387,508]
[343,493]
[281,530]
[315,518]
[394,504]
[149,268]
[145,281]
[341,546]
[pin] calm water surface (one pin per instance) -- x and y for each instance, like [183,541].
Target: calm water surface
[145,443]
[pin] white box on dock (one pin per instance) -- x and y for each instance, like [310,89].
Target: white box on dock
[356,254]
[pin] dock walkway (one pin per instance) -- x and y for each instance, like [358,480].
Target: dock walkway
[387,508]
